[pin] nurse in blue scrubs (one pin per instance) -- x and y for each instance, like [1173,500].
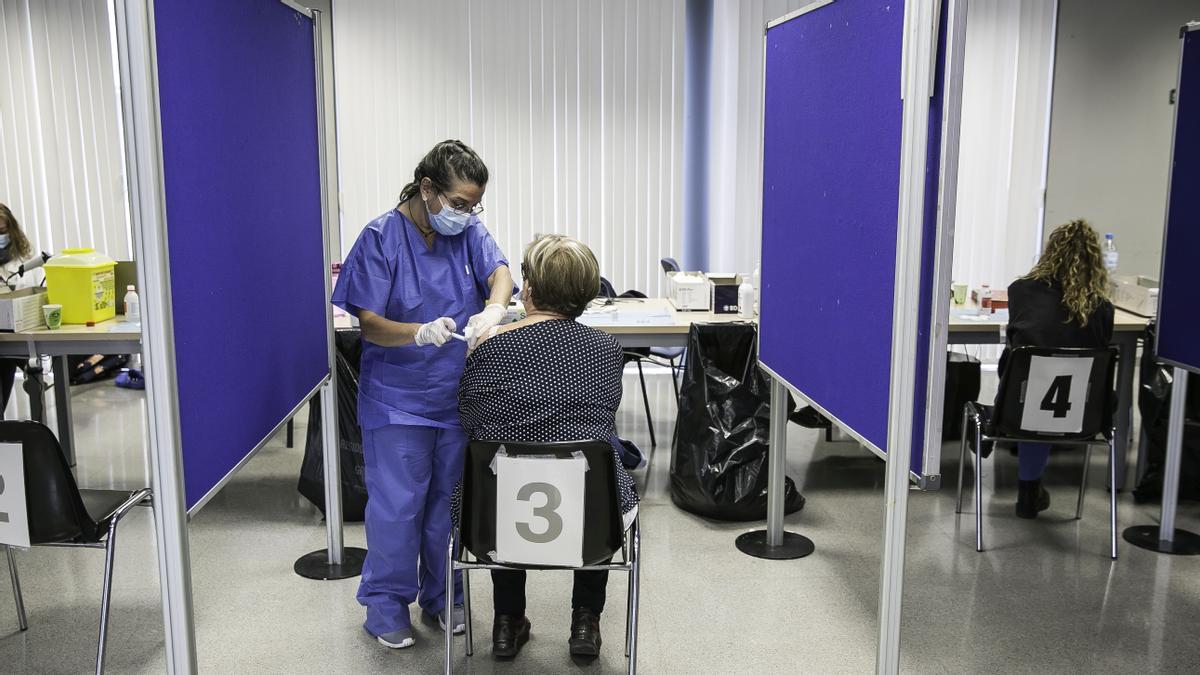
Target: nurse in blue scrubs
[418,273]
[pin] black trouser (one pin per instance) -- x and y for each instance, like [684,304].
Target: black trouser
[8,373]
[508,591]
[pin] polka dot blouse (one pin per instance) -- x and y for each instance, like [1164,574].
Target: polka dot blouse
[550,381]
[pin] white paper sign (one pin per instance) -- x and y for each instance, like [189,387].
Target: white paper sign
[1056,394]
[14,522]
[539,510]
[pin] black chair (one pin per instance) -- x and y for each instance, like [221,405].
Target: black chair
[673,355]
[473,541]
[1045,416]
[637,355]
[60,514]
[670,265]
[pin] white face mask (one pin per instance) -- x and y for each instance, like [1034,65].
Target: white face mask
[4,241]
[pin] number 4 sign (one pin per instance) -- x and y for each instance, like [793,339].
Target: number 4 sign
[1056,393]
[539,510]
[14,525]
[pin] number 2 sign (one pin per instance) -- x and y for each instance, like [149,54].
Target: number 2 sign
[1056,394]
[14,525]
[539,510]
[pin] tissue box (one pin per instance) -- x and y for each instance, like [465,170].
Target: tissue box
[689,291]
[22,309]
[725,292]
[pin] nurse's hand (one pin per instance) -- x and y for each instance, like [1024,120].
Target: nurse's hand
[436,332]
[479,325]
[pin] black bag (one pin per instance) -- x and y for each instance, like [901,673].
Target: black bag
[962,387]
[86,369]
[1154,404]
[719,452]
[350,450]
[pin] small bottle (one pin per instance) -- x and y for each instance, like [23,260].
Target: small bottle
[133,305]
[1111,257]
[985,299]
[746,298]
[757,281]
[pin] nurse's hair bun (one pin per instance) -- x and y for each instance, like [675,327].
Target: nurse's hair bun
[448,162]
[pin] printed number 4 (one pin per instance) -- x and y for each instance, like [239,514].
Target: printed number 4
[547,512]
[1058,399]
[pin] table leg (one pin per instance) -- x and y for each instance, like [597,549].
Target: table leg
[1127,345]
[62,403]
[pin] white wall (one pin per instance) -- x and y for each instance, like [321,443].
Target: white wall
[1111,131]
[61,155]
[574,106]
[1006,106]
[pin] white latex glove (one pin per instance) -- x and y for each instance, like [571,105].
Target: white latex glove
[436,332]
[479,325]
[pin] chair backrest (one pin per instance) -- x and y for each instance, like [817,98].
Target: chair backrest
[1056,394]
[670,265]
[56,511]
[606,289]
[603,529]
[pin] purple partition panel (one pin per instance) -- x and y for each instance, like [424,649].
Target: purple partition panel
[240,160]
[831,180]
[1179,295]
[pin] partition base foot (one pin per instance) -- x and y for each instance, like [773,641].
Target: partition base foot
[316,565]
[1146,536]
[793,546]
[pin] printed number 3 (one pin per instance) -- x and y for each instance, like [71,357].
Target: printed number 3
[3,514]
[1058,399]
[547,512]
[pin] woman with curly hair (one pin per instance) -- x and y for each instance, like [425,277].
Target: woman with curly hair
[1062,302]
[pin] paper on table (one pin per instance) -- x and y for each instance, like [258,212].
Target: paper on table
[626,315]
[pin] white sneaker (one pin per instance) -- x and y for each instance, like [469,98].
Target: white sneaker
[397,639]
[459,616]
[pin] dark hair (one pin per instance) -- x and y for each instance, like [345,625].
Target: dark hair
[17,240]
[447,162]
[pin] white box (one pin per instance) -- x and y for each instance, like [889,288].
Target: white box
[21,310]
[689,291]
[1138,295]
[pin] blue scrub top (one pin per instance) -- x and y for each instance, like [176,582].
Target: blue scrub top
[391,272]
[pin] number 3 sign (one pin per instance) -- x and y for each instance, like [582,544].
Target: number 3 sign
[14,525]
[1055,394]
[539,510]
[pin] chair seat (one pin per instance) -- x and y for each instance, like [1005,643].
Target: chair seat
[669,353]
[101,506]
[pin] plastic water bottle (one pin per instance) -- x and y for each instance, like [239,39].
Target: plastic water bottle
[133,305]
[985,299]
[746,298]
[757,281]
[1111,257]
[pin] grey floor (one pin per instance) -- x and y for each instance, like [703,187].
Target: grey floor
[1044,598]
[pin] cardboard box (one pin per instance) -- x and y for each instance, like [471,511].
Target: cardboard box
[1138,295]
[689,291]
[21,310]
[999,297]
[725,292]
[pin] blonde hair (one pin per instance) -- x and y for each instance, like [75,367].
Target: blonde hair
[17,240]
[1073,261]
[563,272]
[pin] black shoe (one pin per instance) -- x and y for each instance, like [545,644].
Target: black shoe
[509,634]
[585,633]
[1032,498]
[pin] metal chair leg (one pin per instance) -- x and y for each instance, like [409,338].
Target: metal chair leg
[467,611]
[1087,460]
[636,574]
[449,604]
[962,461]
[646,400]
[629,610]
[110,554]
[22,620]
[978,486]
[675,379]
[1112,492]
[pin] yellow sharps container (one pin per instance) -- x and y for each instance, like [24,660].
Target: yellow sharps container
[84,283]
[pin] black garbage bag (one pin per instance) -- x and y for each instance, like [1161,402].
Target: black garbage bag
[719,452]
[350,450]
[1154,404]
[962,386]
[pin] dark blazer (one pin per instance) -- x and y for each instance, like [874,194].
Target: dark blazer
[1037,318]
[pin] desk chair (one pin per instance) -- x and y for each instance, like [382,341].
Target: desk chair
[673,355]
[637,355]
[473,540]
[1020,415]
[60,514]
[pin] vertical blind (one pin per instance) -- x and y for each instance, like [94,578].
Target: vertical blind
[61,154]
[575,106]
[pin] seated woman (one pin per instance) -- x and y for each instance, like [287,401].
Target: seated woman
[548,378]
[1062,302]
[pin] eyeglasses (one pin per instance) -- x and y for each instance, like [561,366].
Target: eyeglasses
[460,207]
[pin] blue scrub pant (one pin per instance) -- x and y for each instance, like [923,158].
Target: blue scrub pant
[410,472]
[1031,460]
